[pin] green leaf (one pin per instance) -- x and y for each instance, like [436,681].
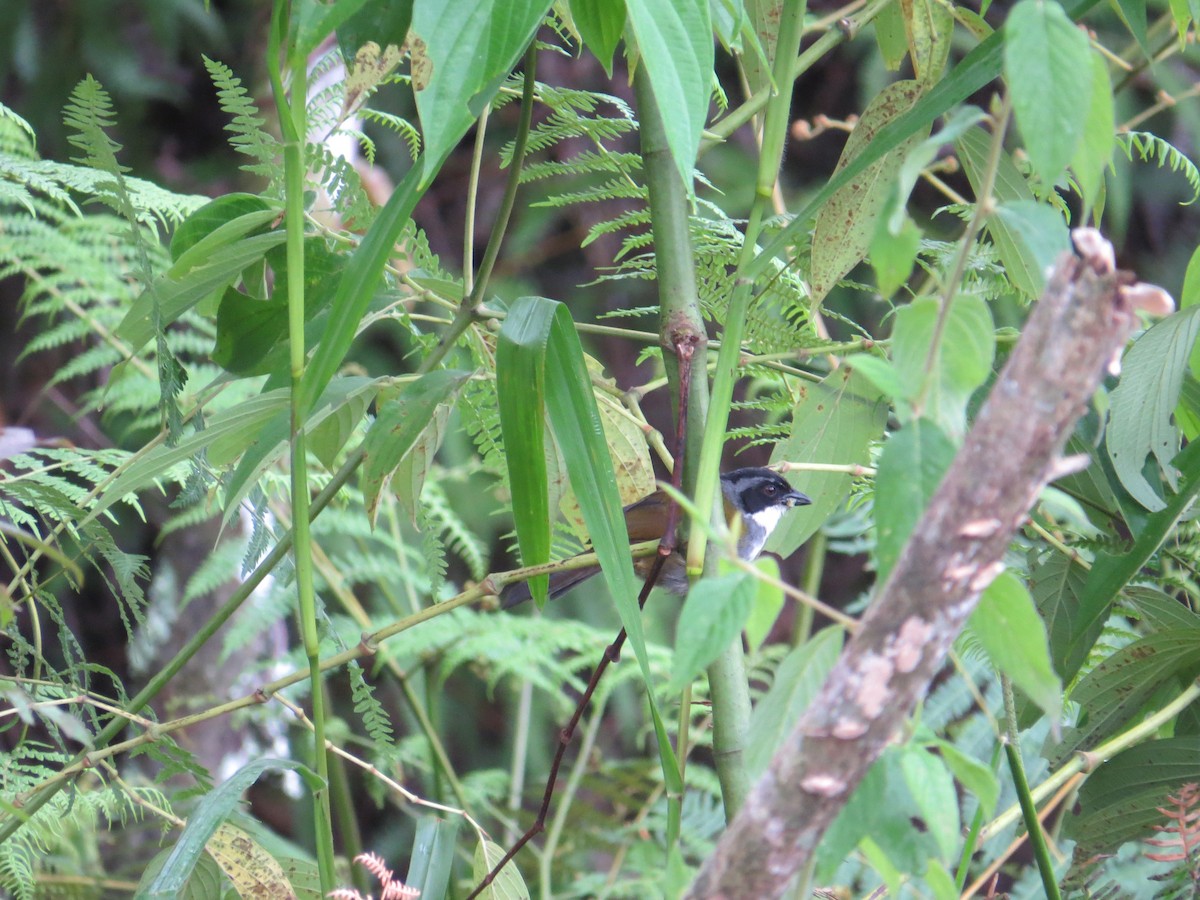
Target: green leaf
[1039,232]
[1057,586]
[1140,415]
[397,427]
[928,25]
[713,615]
[973,150]
[972,775]
[797,681]
[1120,801]
[432,860]
[210,812]
[846,224]
[973,73]
[964,357]
[1111,572]
[675,43]
[600,23]
[1048,68]
[237,210]
[221,265]
[472,45]
[382,21]
[1115,692]
[835,422]
[356,287]
[893,255]
[521,394]
[768,604]
[509,885]
[1007,624]
[1134,13]
[890,36]
[911,466]
[311,21]
[1094,153]
[932,787]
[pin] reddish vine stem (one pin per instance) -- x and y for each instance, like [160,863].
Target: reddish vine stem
[684,350]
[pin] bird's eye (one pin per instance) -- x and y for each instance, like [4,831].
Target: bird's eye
[770,489]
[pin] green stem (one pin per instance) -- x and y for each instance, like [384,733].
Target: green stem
[681,330]
[1033,827]
[293,125]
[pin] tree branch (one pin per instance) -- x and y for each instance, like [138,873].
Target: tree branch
[1083,318]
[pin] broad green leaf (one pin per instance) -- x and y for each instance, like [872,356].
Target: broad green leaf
[521,394]
[713,615]
[226,434]
[1048,69]
[1190,296]
[382,21]
[1010,185]
[600,23]
[215,807]
[1120,801]
[1111,572]
[932,787]
[940,882]
[542,338]
[175,296]
[398,426]
[247,864]
[272,439]
[1159,611]
[1184,12]
[472,46]
[311,21]
[846,223]
[928,26]
[1140,417]
[1040,232]
[768,604]
[973,73]
[797,681]
[509,885]
[964,357]
[1094,153]
[205,881]
[891,36]
[250,334]
[893,255]
[236,210]
[571,405]
[912,464]
[1114,693]
[881,811]
[834,422]
[1056,584]
[675,44]
[432,861]
[1134,14]
[1007,624]
[972,775]
[957,123]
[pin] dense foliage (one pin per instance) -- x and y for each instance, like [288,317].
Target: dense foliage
[314,419]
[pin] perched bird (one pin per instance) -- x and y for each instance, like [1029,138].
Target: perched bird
[759,496]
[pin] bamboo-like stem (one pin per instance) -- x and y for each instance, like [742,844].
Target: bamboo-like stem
[293,119]
[1016,767]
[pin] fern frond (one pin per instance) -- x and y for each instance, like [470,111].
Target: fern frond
[1150,146]
[366,704]
[248,137]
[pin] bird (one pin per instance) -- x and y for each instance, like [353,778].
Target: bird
[761,497]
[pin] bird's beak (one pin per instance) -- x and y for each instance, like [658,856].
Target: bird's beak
[795,498]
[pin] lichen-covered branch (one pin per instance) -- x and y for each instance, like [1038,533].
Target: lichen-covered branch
[1013,450]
